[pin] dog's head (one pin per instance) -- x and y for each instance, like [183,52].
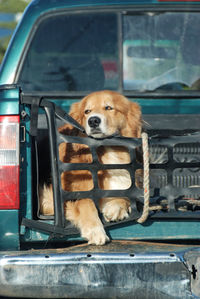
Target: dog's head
[105,113]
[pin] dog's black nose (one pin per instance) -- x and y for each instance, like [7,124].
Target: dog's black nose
[94,121]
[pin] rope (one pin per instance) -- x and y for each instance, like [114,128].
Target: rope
[145,149]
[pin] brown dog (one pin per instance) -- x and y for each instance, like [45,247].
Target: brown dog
[102,114]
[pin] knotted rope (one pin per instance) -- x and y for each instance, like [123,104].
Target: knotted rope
[145,149]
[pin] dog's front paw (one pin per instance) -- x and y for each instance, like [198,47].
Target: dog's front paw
[95,235]
[116,209]
[84,215]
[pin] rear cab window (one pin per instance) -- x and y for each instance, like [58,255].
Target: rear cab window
[129,51]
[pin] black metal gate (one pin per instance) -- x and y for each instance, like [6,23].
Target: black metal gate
[174,172]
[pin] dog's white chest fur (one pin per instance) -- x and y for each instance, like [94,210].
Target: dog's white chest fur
[118,178]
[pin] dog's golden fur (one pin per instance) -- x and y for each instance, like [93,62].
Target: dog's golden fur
[102,114]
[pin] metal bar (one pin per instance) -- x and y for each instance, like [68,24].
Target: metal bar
[54,156]
[190,94]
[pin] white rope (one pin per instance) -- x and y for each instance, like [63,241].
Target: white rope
[145,149]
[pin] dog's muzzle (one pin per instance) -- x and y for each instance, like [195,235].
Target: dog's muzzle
[94,122]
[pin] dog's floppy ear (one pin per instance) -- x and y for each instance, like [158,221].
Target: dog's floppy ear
[75,112]
[134,120]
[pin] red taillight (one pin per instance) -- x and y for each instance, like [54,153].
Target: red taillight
[9,162]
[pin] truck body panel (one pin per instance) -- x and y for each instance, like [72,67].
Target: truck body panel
[41,259]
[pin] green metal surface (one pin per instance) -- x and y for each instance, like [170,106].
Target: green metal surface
[153,106]
[150,230]
[159,230]
[9,101]
[26,168]
[9,232]
[169,106]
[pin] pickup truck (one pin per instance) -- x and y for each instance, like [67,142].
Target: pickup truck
[61,51]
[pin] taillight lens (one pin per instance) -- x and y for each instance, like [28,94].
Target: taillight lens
[9,162]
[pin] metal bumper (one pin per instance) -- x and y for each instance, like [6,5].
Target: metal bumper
[64,274]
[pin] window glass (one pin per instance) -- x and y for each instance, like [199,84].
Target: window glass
[72,53]
[79,52]
[161,51]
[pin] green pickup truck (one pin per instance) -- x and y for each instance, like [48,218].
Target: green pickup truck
[62,50]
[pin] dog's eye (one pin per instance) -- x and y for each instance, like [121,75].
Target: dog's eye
[87,111]
[108,108]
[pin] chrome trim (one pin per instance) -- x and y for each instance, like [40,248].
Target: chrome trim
[92,275]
